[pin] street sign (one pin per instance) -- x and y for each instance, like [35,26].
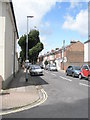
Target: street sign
[65,59]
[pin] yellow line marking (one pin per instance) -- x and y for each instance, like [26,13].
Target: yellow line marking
[39,102]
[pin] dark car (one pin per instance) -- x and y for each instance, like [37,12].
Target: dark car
[85,72]
[73,71]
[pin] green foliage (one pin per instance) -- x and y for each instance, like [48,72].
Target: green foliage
[22,54]
[34,45]
[46,62]
[34,52]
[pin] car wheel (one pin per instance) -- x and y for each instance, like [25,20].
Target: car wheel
[73,75]
[89,78]
[31,74]
[80,76]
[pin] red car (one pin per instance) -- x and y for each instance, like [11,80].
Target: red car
[85,72]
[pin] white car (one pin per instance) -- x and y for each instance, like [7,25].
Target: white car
[52,67]
[35,70]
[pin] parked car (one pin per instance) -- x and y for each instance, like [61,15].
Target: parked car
[36,70]
[52,67]
[73,71]
[41,66]
[47,67]
[85,72]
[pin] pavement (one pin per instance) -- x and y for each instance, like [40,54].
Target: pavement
[62,71]
[20,93]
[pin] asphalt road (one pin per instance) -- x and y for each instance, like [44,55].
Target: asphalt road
[67,98]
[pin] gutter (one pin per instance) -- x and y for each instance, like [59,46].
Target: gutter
[12,9]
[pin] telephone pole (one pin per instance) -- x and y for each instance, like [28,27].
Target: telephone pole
[63,48]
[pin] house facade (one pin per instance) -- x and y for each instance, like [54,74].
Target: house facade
[8,38]
[86,52]
[72,54]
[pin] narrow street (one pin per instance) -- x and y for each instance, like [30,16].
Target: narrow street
[67,97]
[50,37]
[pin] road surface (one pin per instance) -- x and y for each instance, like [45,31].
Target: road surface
[67,97]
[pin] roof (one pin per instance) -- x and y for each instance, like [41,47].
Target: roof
[11,5]
[73,44]
[54,51]
[87,41]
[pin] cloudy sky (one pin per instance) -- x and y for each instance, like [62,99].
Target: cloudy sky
[56,20]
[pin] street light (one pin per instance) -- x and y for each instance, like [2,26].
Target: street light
[27,61]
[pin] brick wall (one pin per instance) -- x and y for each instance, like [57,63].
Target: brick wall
[78,46]
[57,54]
[74,54]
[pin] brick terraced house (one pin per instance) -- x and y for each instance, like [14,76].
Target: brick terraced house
[73,55]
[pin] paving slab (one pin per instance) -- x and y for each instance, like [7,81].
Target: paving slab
[19,93]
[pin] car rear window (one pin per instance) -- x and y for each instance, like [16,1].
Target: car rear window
[77,67]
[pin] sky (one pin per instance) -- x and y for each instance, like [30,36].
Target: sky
[56,20]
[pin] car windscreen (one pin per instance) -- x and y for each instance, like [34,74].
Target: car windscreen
[89,66]
[52,66]
[77,67]
[37,67]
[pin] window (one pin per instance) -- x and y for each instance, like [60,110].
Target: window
[85,67]
[70,67]
[89,66]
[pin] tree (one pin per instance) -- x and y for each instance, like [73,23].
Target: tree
[34,45]
[46,62]
[34,52]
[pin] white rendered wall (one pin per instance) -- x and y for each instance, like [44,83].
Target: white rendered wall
[89,52]
[7,29]
[86,52]
[51,57]
[2,41]
[9,43]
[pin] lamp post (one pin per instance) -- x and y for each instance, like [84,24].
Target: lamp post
[27,61]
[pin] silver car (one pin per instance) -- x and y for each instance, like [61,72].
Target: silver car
[35,70]
[52,67]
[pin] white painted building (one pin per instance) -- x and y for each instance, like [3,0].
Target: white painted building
[8,38]
[51,57]
[57,61]
[45,58]
[87,51]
